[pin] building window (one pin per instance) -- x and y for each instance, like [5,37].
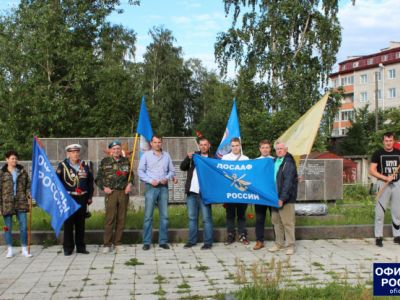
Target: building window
[392,93]
[344,131]
[370,61]
[346,115]
[392,74]
[355,64]
[336,82]
[378,75]
[348,80]
[335,132]
[337,117]
[397,54]
[384,58]
[379,94]
[363,97]
[363,79]
[344,68]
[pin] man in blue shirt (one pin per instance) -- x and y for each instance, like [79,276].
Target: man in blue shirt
[155,169]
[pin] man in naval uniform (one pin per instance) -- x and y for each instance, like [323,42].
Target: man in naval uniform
[77,178]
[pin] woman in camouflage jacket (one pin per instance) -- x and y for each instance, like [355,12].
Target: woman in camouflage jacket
[14,193]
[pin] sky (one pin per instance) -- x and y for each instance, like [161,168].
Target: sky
[367,27]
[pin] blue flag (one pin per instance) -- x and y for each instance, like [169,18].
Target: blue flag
[245,181]
[48,191]
[232,130]
[144,128]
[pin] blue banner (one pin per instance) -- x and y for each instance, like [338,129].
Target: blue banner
[246,181]
[48,191]
[144,128]
[386,279]
[232,130]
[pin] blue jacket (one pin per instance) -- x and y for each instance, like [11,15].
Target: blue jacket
[287,179]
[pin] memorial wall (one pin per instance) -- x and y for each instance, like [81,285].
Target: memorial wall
[320,179]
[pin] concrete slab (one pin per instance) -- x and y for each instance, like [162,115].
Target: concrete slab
[50,275]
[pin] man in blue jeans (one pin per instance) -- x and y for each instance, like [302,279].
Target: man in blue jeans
[194,201]
[155,169]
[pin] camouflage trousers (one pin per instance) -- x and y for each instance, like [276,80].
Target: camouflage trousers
[116,205]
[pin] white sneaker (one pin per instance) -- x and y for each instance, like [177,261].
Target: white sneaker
[120,249]
[290,251]
[9,252]
[25,252]
[106,250]
[274,248]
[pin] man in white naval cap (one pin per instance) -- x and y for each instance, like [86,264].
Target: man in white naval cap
[77,178]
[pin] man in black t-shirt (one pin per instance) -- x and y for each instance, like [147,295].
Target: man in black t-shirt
[385,164]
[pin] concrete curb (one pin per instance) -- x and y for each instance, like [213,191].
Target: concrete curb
[180,235]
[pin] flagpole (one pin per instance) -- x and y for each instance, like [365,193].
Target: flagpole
[133,156]
[31,206]
[380,192]
[315,137]
[304,166]
[29,224]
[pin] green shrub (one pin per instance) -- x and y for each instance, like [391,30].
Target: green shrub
[356,193]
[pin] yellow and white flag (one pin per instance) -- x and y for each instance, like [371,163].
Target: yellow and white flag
[301,135]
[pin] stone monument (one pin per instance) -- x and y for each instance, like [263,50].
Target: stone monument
[320,179]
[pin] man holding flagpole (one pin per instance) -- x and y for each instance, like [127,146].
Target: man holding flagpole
[115,179]
[385,163]
[155,170]
[48,190]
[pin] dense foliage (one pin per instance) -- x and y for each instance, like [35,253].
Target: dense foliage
[362,137]
[285,51]
[66,71]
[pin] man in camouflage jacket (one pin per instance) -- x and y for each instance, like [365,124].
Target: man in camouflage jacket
[112,178]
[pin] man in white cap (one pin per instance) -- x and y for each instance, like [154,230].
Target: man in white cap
[77,178]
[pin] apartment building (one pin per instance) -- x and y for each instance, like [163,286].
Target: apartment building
[365,79]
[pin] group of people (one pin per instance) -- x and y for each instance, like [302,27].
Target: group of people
[115,178]
[156,168]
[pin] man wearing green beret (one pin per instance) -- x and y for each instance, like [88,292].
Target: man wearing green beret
[113,179]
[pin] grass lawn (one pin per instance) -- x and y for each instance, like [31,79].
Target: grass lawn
[332,291]
[356,208]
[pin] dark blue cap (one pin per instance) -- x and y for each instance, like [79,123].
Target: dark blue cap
[114,143]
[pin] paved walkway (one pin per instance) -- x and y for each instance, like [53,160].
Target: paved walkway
[184,273]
